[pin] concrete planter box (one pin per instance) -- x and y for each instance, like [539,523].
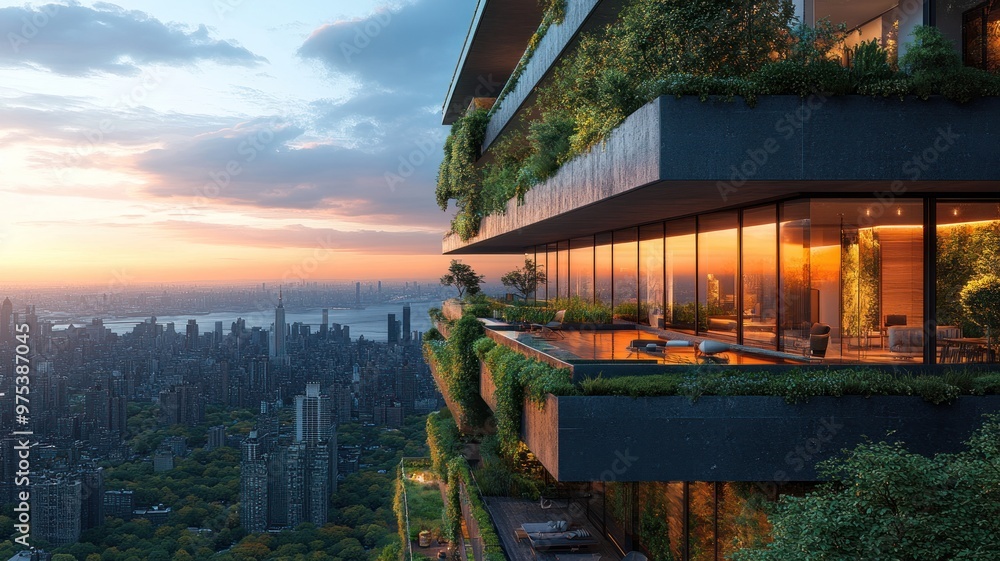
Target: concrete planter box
[743,438]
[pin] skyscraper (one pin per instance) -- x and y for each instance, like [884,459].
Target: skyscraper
[6,311]
[325,326]
[253,485]
[279,329]
[393,334]
[191,343]
[313,416]
[407,336]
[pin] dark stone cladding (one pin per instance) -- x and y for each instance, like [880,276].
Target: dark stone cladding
[676,157]
[747,438]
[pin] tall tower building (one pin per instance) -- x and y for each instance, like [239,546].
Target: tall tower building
[191,343]
[279,329]
[407,335]
[313,416]
[393,335]
[325,326]
[253,485]
[6,311]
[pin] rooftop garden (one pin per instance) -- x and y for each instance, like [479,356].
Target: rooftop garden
[709,48]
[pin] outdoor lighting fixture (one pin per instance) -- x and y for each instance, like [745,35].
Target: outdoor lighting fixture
[954,211]
[868,212]
[899,211]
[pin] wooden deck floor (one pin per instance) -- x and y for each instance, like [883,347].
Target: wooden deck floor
[509,514]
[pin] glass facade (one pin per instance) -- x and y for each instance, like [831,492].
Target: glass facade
[602,268]
[581,274]
[680,261]
[651,264]
[851,269]
[703,521]
[625,276]
[718,257]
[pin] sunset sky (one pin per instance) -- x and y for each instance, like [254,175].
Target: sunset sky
[225,139]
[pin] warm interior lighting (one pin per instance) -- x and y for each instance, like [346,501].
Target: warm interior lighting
[954,211]
[868,212]
[899,211]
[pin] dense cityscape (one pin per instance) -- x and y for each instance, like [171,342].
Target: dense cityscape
[150,399]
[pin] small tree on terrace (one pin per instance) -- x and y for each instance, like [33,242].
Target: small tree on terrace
[525,280]
[463,278]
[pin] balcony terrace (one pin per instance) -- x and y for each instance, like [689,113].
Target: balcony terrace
[678,157]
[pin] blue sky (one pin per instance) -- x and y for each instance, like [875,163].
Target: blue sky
[197,140]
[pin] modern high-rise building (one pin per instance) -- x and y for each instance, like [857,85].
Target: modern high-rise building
[407,335]
[6,314]
[191,342]
[313,416]
[278,347]
[55,509]
[253,485]
[392,334]
[807,230]
[325,326]
[119,503]
[91,497]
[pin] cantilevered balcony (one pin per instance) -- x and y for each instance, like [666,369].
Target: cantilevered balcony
[679,157]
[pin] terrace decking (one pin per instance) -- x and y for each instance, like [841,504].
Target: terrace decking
[611,345]
[508,515]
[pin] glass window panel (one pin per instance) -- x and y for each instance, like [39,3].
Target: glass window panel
[581,274]
[651,273]
[796,310]
[866,264]
[717,260]
[602,268]
[759,270]
[541,261]
[742,517]
[626,275]
[661,519]
[552,273]
[968,245]
[562,290]
[680,283]
[701,521]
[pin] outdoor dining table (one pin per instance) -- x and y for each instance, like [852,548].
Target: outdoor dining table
[964,347]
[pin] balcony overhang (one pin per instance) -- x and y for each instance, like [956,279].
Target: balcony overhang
[679,157]
[746,438]
[497,38]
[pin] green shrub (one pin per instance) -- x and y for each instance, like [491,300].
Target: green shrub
[433,334]
[482,346]
[869,64]
[579,310]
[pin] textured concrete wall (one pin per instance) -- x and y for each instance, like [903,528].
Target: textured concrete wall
[836,138]
[732,438]
[628,158]
[540,432]
[549,49]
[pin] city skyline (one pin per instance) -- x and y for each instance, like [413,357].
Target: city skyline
[223,141]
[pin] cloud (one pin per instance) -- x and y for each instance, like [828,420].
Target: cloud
[410,48]
[76,40]
[258,163]
[329,239]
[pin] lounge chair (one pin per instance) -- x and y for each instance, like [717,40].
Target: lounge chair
[551,329]
[572,540]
